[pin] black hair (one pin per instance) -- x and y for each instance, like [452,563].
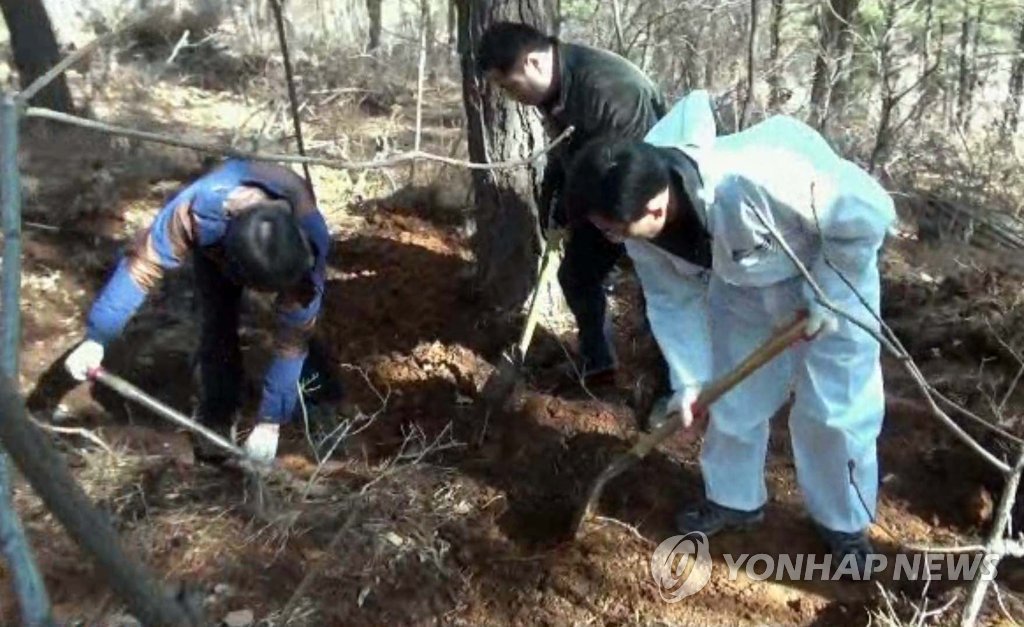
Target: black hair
[503,43]
[266,248]
[615,179]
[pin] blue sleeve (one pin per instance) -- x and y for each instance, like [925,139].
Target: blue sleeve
[158,248]
[295,325]
[116,304]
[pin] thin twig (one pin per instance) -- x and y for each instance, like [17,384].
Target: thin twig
[182,41]
[892,346]
[1002,606]
[974,417]
[630,528]
[305,422]
[337,164]
[79,431]
[996,543]
[315,570]
[293,98]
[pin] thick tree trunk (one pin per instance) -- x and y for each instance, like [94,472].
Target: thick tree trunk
[35,50]
[1011,114]
[556,18]
[775,74]
[506,241]
[831,66]
[373,10]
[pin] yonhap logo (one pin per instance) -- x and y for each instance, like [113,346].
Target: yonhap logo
[681,566]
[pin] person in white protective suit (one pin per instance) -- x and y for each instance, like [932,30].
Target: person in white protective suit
[692,209]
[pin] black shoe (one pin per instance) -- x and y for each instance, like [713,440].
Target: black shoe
[709,518]
[843,544]
[657,415]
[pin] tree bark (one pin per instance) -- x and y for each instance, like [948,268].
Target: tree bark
[964,74]
[1011,114]
[889,98]
[748,98]
[975,82]
[35,51]
[373,9]
[710,59]
[620,41]
[453,21]
[835,43]
[507,237]
[775,74]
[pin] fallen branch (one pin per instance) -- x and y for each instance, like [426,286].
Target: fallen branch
[337,164]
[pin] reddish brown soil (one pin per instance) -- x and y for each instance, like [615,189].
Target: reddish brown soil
[476,533]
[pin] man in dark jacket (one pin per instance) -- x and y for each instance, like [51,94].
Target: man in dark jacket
[599,94]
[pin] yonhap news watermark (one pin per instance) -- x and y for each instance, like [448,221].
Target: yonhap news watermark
[682,566]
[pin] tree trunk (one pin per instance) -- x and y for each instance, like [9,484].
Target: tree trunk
[844,58]
[975,82]
[35,49]
[775,74]
[620,40]
[453,21]
[748,98]
[506,241]
[1011,114]
[926,36]
[889,98]
[835,43]
[710,60]
[556,18]
[964,74]
[373,9]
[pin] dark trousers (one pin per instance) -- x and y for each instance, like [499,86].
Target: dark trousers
[219,359]
[589,258]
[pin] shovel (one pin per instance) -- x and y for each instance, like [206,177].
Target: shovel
[500,384]
[782,340]
[133,393]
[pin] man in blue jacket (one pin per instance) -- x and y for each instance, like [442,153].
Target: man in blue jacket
[249,225]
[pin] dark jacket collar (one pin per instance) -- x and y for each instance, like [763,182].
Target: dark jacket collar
[686,234]
[565,57]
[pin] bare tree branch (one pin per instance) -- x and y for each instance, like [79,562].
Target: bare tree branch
[337,164]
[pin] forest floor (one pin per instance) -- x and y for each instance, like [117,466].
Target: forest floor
[434,517]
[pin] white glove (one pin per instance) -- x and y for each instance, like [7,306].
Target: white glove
[84,359]
[680,403]
[261,445]
[820,321]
